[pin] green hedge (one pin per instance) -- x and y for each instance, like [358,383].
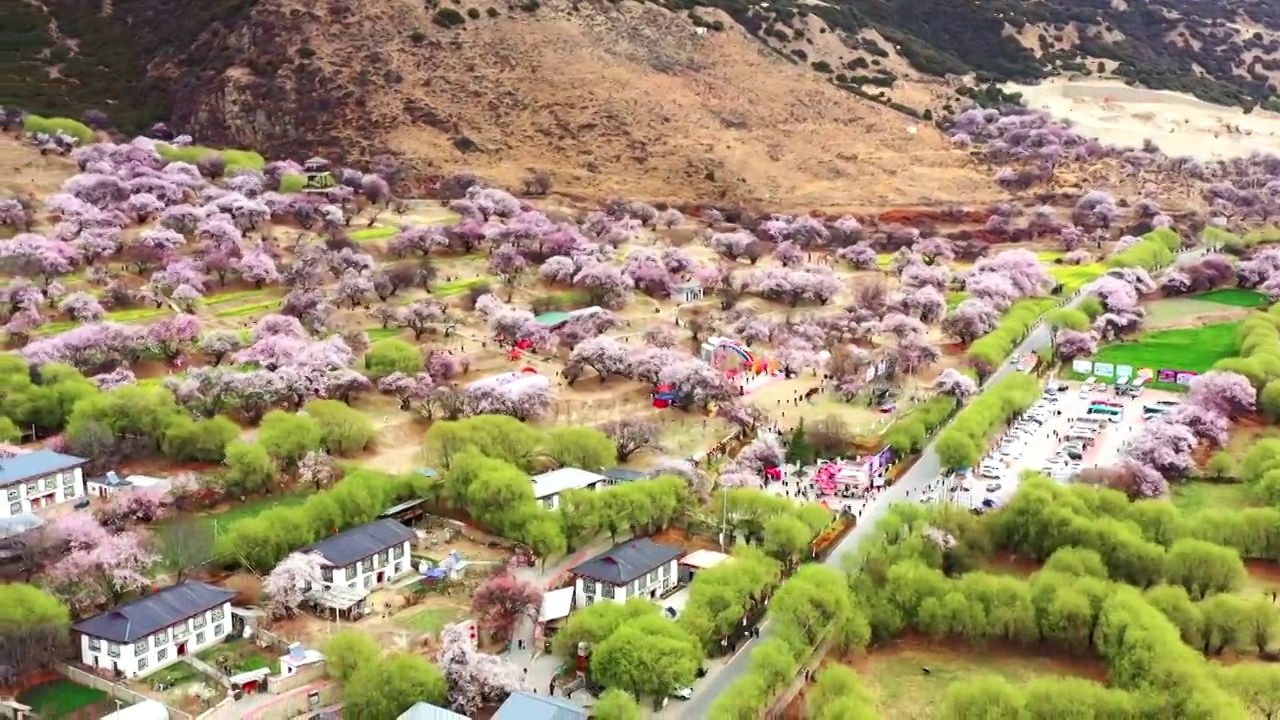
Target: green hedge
[235,159]
[74,128]
[988,351]
[965,440]
[1155,250]
[908,434]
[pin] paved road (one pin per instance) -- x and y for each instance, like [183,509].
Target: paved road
[924,472]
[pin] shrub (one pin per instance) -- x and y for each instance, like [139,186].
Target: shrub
[235,159]
[292,183]
[448,18]
[391,356]
[74,128]
[344,431]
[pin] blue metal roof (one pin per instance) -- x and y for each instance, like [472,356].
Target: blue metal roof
[35,465]
[524,706]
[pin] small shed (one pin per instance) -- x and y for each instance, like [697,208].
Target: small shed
[552,320]
[338,602]
[698,560]
[556,605]
[111,483]
[248,683]
[621,476]
[406,513]
[687,292]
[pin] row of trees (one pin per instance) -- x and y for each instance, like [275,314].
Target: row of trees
[917,580]
[964,441]
[811,607]
[259,543]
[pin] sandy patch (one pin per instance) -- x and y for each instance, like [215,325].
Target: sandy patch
[1180,124]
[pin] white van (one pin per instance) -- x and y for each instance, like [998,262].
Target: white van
[1088,386]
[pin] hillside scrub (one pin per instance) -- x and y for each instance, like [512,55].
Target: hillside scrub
[193,154]
[54,125]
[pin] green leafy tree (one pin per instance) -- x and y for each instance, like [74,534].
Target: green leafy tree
[35,626]
[1204,568]
[9,432]
[580,516]
[1069,318]
[187,440]
[1269,401]
[250,469]
[985,697]
[1222,465]
[775,665]
[392,356]
[800,451]
[1077,561]
[596,622]
[344,431]
[110,423]
[616,704]
[347,652]
[649,657]
[387,688]
[787,539]
[839,694]
[496,436]
[288,437]
[580,447]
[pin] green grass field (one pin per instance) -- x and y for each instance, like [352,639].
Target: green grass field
[1236,297]
[1197,495]
[955,298]
[380,333]
[1193,349]
[377,232]
[215,523]
[236,296]
[264,306]
[61,698]
[431,620]
[1074,277]
[901,690]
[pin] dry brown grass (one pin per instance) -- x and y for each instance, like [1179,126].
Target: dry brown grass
[622,99]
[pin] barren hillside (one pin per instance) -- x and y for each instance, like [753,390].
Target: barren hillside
[621,99]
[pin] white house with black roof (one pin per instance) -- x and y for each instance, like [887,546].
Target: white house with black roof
[367,556]
[40,479]
[548,486]
[636,568]
[137,638]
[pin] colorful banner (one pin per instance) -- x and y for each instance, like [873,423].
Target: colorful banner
[1102,369]
[1084,367]
[1146,373]
[1185,377]
[1124,371]
[1167,376]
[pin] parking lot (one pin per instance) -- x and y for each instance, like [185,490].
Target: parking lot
[1066,431]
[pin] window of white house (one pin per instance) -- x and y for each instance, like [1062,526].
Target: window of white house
[69,491]
[607,590]
[160,638]
[32,489]
[326,574]
[50,483]
[113,649]
[180,631]
[15,508]
[653,577]
[14,494]
[368,581]
[397,551]
[69,478]
[142,664]
[352,572]
[382,558]
[218,613]
[95,645]
[200,621]
[161,654]
[591,599]
[588,586]
[217,630]
[200,638]
[665,570]
[367,564]
[140,648]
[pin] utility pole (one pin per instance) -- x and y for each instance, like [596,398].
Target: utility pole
[724,521]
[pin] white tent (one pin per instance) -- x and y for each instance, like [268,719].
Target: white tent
[146,710]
